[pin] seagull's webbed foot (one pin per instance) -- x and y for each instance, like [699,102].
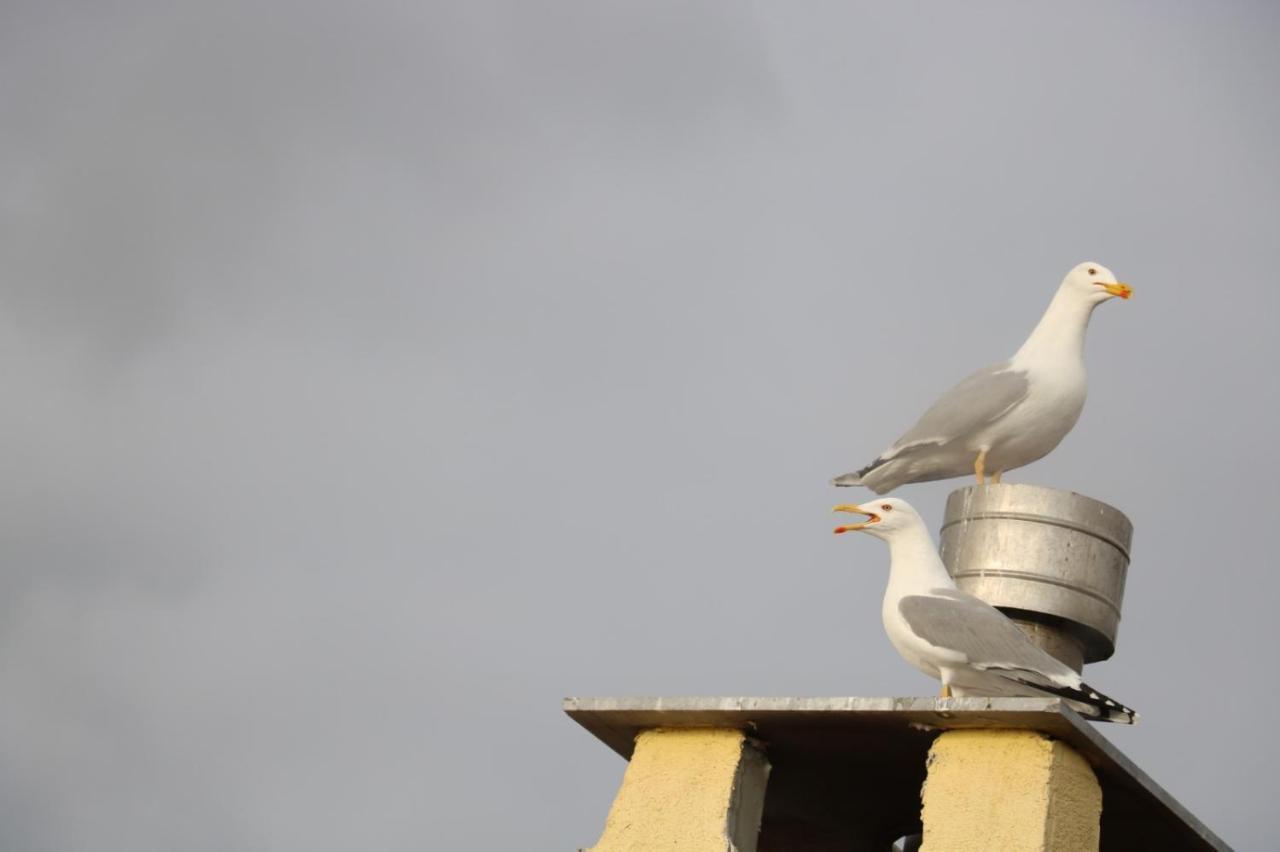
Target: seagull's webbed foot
[945,692]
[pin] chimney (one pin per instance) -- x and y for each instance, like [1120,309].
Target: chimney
[1053,561]
[971,774]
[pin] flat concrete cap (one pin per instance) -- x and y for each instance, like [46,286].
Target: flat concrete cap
[842,766]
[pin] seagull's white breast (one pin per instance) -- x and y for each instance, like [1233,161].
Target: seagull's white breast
[1055,398]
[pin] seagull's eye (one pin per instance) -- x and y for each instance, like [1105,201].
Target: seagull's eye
[886,507]
[1093,271]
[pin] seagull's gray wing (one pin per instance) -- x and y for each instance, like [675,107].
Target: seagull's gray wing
[979,400]
[960,622]
[990,642]
[940,444]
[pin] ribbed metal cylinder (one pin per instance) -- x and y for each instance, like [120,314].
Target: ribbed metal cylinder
[1054,561]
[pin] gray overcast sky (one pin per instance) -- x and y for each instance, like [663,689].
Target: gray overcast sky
[379,373]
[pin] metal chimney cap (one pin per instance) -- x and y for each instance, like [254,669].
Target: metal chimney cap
[1049,558]
[1038,504]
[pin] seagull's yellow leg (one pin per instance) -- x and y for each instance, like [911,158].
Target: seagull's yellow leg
[980,467]
[945,692]
[995,477]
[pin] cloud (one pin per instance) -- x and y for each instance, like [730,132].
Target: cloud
[376,376]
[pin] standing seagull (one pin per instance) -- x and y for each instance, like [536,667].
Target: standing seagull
[1009,414]
[972,647]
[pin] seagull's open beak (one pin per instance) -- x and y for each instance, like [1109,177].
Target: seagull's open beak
[1124,291]
[872,518]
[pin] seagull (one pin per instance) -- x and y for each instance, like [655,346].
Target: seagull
[963,641]
[1009,414]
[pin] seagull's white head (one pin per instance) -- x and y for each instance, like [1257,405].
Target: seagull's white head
[1094,283]
[886,517]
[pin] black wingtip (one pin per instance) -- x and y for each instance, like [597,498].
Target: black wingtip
[1092,704]
[849,480]
[875,464]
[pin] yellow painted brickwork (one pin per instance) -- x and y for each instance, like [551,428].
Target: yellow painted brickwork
[675,793]
[1016,791]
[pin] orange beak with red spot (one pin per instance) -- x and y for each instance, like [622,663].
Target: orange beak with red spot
[872,518]
[1124,291]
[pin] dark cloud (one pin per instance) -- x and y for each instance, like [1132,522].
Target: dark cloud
[378,375]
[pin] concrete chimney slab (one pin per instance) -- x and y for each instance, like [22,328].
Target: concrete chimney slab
[847,772]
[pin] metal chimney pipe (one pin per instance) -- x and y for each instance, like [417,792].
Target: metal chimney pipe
[1053,561]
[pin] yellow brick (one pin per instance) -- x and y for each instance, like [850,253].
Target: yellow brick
[1015,791]
[677,792]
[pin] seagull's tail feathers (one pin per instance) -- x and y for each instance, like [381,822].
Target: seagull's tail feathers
[1088,702]
[848,480]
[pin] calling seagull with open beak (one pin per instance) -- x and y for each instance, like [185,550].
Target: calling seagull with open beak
[1009,414]
[969,645]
